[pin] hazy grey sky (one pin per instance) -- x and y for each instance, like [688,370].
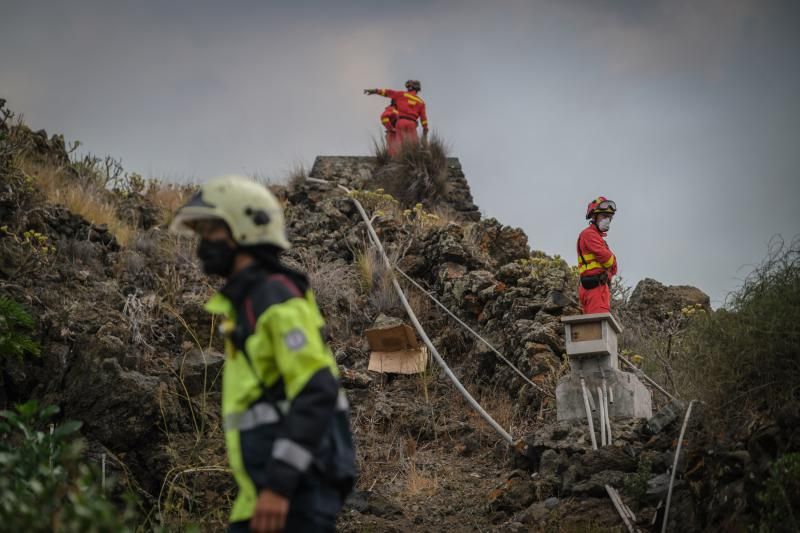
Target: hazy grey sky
[687,113]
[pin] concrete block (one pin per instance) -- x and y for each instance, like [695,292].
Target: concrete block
[631,398]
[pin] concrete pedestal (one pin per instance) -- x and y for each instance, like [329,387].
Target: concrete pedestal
[631,398]
[592,348]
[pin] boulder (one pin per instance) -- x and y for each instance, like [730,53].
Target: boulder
[655,300]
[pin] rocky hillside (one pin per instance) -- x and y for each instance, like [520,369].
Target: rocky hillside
[127,349]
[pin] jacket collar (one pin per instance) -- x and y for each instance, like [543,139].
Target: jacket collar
[239,284]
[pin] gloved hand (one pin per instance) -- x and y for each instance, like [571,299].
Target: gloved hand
[370,91]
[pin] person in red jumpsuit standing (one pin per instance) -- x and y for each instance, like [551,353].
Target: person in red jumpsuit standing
[389,121]
[597,264]
[410,108]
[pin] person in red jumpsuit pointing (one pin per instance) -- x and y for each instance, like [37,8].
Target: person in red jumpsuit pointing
[389,121]
[410,108]
[597,264]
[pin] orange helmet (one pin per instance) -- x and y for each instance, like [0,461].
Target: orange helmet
[601,204]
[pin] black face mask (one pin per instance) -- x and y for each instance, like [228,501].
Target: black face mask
[217,257]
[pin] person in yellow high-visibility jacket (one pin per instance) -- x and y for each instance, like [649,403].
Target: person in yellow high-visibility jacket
[286,421]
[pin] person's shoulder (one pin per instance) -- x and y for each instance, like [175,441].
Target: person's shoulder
[272,289]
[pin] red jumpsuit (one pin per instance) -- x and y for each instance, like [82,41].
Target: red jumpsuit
[594,258]
[410,108]
[389,121]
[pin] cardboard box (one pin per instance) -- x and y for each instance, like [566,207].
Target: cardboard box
[395,350]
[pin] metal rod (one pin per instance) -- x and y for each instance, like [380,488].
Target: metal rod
[675,465]
[588,413]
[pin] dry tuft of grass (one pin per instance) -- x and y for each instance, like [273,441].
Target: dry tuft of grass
[376,280]
[418,482]
[168,197]
[89,202]
[417,173]
[296,176]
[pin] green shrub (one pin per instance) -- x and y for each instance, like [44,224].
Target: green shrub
[44,485]
[14,319]
[744,358]
[781,496]
[636,484]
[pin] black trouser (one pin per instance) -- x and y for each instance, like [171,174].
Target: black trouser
[313,508]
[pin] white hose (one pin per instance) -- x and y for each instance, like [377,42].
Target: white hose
[602,415]
[376,241]
[606,390]
[475,333]
[588,413]
[675,465]
[646,377]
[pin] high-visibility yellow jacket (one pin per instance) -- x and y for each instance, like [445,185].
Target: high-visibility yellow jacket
[280,390]
[594,255]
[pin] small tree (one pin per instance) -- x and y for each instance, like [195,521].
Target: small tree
[44,485]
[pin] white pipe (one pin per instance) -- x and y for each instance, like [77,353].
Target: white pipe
[588,413]
[675,465]
[620,507]
[475,333]
[376,241]
[646,377]
[606,390]
[602,415]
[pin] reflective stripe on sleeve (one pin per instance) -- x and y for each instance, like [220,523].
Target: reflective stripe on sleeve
[608,263]
[292,453]
[259,414]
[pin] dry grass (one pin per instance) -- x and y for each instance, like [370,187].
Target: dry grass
[90,203]
[375,280]
[418,482]
[296,176]
[167,197]
[417,173]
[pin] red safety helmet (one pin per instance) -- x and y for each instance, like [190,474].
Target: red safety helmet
[601,204]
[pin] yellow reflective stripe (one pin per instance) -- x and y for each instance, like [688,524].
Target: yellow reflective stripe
[412,97]
[424,122]
[382,92]
[608,263]
[589,266]
[588,257]
[385,120]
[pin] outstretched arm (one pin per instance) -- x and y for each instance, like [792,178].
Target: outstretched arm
[388,93]
[423,118]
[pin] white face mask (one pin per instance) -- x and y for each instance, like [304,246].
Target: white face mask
[603,224]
